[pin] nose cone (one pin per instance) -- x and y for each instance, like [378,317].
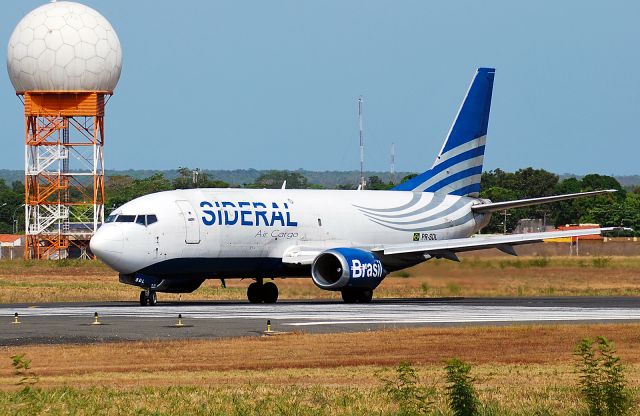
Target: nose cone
[107,244]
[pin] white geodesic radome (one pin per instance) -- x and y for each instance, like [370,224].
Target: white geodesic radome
[64,46]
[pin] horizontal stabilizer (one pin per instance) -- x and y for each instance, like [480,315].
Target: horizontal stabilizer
[483,242]
[501,206]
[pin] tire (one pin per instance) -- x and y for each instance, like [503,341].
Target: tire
[269,292]
[365,296]
[254,293]
[153,299]
[143,298]
[357,295]
[349,296]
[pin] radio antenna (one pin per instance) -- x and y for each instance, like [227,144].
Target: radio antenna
[362,181]
[393,163]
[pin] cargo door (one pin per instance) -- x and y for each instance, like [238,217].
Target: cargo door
[191,224]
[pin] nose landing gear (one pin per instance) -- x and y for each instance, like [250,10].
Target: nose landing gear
[148,298]
[259,292]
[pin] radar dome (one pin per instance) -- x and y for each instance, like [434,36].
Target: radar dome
[64,46]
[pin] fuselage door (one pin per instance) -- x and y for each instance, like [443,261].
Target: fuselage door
[192,227]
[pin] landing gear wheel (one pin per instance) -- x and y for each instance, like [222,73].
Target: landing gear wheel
[153,299]
[357,295]
[148,298]
[365,296]
[254,293]
[269,292]
[349,296]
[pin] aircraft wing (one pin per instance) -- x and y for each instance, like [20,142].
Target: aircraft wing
[300,255]
[501,206]
[505,243]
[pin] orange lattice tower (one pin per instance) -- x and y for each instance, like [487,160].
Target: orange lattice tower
[64,60]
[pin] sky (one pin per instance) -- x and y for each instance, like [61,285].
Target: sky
[230,84]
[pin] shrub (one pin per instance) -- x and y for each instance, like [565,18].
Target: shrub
[22,368]
[462,396]
[539,262]
[602,381]
[404,389]
[453,288]
[600,262]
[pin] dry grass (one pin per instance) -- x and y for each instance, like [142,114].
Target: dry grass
[32,282]
[165,362]
[519,370]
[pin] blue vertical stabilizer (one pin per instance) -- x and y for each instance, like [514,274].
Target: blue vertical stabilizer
[458,167]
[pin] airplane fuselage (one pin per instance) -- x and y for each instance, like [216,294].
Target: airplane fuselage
[241,233]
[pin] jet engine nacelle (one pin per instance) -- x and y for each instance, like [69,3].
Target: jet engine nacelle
[340,268]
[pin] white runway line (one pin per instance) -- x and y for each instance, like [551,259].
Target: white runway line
[337,314]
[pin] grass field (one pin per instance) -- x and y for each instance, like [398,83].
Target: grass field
[519,370]
[32,282]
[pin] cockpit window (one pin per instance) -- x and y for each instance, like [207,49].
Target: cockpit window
[126,218]
[141,220]
[111,218]
[151,219]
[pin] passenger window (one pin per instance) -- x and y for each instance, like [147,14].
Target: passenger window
[126,218]
[151,219]
[140,220]
[111,218]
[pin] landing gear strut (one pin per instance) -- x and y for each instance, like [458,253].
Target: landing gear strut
[357,295]
[259,292]
[148,298]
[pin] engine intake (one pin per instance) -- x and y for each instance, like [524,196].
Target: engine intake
[341,268]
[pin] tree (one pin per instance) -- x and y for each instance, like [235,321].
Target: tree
[374,182]
[187,179]
[274,179]
[11,199]
[121,190]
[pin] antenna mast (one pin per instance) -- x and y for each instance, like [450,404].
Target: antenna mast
[362,181]
[393,163]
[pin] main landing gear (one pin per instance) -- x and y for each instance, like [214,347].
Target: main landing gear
[148,298]
[357,295]
[260,292]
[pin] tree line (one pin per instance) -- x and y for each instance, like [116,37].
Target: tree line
[618,209]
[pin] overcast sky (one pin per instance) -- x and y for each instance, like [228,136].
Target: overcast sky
[274,84]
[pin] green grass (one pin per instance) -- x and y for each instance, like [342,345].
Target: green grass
[257,400]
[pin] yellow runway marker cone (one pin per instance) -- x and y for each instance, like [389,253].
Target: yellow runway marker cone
[16,320]
[179,323]
[96,319]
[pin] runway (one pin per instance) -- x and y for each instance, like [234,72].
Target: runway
[72,322]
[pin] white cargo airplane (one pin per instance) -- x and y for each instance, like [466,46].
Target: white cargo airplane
[347,241]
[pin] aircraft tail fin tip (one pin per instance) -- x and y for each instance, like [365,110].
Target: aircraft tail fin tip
[458,167]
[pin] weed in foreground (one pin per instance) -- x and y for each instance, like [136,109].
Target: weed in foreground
[602,380]
[22,369]
[404,389]
[462,396]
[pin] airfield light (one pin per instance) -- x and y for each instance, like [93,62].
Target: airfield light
[64,61]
